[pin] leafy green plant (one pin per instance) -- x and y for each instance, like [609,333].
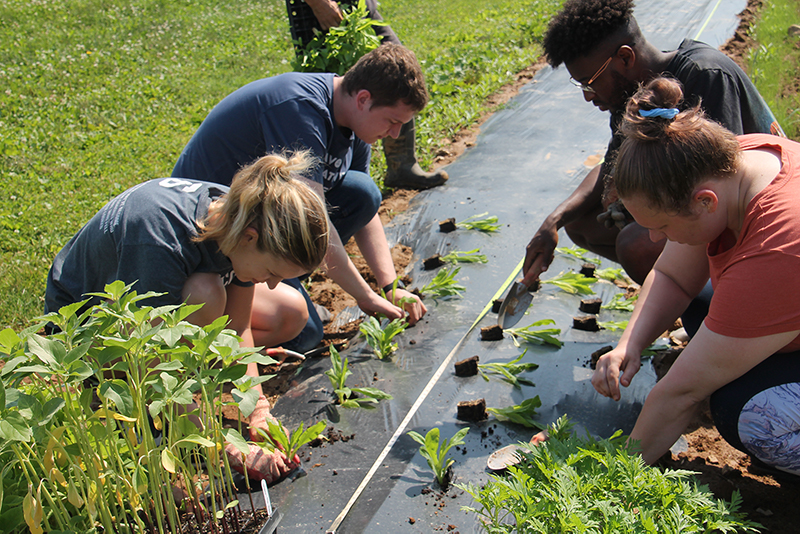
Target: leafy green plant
[521,414]
[279,438]
[579,253]
[622,303]
[349,397]
[536,336]
[470,256]
[443,284]
[340,47]
[573,283]
[486,224]
[380,338]
[508,371]
[573,484]
[436,453]
[614,326]
[83,442]
[611,274]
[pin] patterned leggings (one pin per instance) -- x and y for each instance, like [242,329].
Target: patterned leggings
[759,413]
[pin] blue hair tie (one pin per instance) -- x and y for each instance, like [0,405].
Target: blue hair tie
[664,113]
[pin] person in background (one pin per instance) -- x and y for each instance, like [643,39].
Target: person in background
[608,57]
[336,118]
[203,243]
[402,168]
[727,207]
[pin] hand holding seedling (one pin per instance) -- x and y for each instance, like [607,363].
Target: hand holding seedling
[409,302]
[260,418]
[606,378]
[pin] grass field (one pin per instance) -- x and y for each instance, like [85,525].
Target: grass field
[101,94]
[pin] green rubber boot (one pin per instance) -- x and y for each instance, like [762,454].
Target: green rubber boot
[402,169]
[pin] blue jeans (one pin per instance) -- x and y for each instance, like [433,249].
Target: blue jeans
[351,205]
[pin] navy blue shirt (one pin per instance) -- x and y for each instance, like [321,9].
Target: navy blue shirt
[290,111]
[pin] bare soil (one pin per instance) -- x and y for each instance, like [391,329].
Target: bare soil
[767,498]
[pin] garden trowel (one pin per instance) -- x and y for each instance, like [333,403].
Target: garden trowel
[514,305]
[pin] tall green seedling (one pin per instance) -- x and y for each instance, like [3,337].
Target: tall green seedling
[346,397]
[279,438]
[436,453]
[508,371]
[535,335]
[573,283]
[444,284]
[380,338]
[483,222]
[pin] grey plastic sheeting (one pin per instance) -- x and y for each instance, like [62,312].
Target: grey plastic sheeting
[528,158]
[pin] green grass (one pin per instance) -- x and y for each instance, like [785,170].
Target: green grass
[774,64]
[100,95]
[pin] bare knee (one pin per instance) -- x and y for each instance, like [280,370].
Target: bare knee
[278,316]
[636,252]
[206,289]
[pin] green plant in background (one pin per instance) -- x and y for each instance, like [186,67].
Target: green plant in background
[83,439]
[614,326]
[380,338]
[486,224]
[611,274]
[443,284]
[534,335]
[521,414]
[508,371]
[573,283]
[278,437]
[340,47]
[579,253]
[348,397]
[621,302]
[436,453]
[574,484]
[469,256]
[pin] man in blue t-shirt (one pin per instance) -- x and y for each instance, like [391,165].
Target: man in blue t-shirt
[600,43]
[337,119]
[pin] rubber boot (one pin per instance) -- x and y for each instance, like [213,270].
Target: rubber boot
[402,169]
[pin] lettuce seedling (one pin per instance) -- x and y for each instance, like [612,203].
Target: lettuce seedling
[610,274]
[579,253]
[487,224]
[614,326]
[470,256]
[279,438]
[348,397]
[443,284]
[573,283]
[508,371]
[537,336]
[380,339]
[436,455]
[622,303]
[521,414]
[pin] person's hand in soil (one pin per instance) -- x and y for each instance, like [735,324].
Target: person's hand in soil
[375,304]
[539,252]
[606,378]
[413,306]
[261,464]
[258,419]
[326,12]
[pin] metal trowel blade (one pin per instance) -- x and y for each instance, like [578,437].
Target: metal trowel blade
[514,306]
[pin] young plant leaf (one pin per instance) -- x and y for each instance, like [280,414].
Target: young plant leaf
[621,303]
[470,256]
[579,253]
[508,371]
[435,454]
[521,414]
[536,336]
[573,283]
[380,339]
[487,224]
[443,284]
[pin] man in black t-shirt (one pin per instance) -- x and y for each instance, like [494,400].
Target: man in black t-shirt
[607,56]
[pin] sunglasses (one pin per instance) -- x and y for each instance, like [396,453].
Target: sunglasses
[587,87]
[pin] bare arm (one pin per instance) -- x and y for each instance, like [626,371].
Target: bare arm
[678,276]
[540,250]
[327,13]
[707,363]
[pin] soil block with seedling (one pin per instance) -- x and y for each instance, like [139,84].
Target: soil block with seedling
[590,305]
[588,269]
[447,225]
[474,410]
[585,322]
[433,262]
[467,367]
[492,333]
